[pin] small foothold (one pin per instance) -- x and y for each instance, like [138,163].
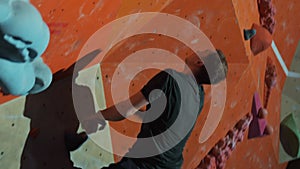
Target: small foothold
[215,151]
[268,130]
[270,74]
[221,143]
[232,133]
[249,33]
[249,117]
[241,125]
[262,113]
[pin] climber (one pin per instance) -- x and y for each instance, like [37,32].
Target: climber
[169,120]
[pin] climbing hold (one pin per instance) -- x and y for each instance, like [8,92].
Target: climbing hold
[290,136]
[267,12]
[221,144]
[270,80]
[24,27]
[270,75]
[258,125]
[249,33]
[268,130]
[241,125]
[261,41]
[16,78]
[24,37]
[262,113]
[220,153]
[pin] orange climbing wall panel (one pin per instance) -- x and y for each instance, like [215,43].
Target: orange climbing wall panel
[72,22]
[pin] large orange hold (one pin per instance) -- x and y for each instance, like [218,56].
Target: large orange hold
[261,41]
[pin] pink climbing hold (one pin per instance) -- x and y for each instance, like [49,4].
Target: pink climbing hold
[270,80]
[258,125]
[267,11]
[209,162]
[221,152]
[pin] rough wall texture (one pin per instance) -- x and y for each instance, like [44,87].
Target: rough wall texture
[72,22]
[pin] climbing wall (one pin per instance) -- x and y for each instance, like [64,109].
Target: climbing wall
[14,130]
[42,119]
[290,113]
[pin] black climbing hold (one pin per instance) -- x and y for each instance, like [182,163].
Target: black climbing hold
[249,33]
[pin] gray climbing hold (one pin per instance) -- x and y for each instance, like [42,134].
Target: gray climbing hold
[249,33]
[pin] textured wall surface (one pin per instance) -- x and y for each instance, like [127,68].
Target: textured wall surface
[72,23]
